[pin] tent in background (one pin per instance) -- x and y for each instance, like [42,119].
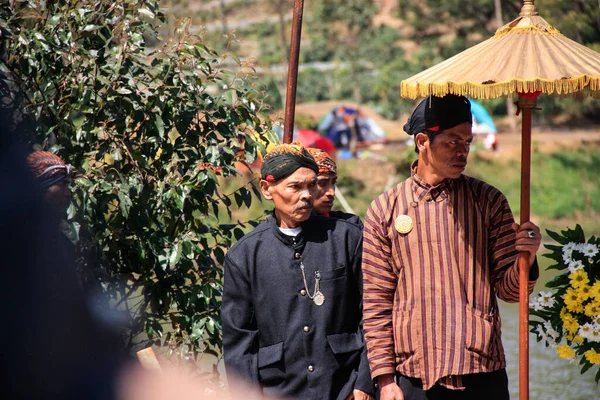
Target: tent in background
[310,138]
[337,124]
[482,121]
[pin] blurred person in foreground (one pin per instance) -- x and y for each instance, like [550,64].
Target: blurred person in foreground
[53,176]
[292,293]
[53,348]
[326,184]
[439,249]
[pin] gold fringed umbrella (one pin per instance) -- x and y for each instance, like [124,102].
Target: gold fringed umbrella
[526,56]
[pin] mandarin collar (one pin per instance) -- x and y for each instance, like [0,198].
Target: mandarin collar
[423,189]
[285,239]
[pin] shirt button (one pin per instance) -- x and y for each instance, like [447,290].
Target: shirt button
[427,198]
[311,368]
[303,292]
[306,328]
[297,255]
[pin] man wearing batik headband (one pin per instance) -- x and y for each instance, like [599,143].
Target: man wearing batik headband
[53,176]
[438,250]
[326,181]
[292,293]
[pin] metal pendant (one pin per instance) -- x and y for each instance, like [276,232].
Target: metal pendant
[319,298]
[403,224]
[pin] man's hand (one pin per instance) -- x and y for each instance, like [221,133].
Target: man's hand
[388,389]
[359,395]
[526,241]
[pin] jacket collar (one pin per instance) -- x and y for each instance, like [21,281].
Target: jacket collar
[285,239]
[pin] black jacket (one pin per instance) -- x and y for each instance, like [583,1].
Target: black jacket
[274,335]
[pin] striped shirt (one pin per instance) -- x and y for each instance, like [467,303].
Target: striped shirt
[430,307]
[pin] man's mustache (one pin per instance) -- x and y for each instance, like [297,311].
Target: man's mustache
[304,205]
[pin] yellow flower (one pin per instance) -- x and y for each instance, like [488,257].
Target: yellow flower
[595,290]
[592,356]
[569,322]
[583,292]
[578,339]
[571,337]
[592,309]
[564,351]
[579,278]
[573,301]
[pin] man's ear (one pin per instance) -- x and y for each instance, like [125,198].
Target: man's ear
[421,139]
[265,188]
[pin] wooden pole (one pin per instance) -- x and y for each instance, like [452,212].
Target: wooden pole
[290,97]
[148,359]
[526,105]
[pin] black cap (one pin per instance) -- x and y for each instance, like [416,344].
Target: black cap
[439,113]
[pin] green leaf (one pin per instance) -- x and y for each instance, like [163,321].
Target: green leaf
[557,237]
[140,249]
[557,281]
[219,255]
[586,366]
[175,255]
[210,326]
[159,124]
[124,203]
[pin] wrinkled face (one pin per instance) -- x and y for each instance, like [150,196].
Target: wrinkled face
[326,193]
[293,197]
[59,196]
[446,156]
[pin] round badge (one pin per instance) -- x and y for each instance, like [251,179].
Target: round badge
[403,224]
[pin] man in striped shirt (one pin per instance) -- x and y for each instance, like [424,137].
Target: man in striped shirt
[438,250]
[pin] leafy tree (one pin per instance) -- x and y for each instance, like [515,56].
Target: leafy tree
[152,131]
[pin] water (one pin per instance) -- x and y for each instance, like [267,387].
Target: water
[550,377]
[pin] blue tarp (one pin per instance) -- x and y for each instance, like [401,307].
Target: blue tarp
[483,122]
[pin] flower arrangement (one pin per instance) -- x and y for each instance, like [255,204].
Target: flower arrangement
[567,317]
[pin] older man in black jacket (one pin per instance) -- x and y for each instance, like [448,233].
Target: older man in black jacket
[292,293]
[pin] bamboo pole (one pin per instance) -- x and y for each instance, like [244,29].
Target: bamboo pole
[290,97]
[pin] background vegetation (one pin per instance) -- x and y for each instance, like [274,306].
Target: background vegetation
[360,50]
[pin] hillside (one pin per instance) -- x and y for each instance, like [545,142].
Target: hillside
[360,51]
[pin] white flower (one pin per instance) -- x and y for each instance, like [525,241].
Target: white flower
[550,330]
[575,265]
[545,338]
[545,299]
[569,247]
[535,304]
[252,106]
[594,335]
[567,257]
[585,330]
[590,250]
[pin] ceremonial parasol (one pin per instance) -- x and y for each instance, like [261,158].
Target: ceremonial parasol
[526,56]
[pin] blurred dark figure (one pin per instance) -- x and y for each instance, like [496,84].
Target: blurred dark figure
[52,348]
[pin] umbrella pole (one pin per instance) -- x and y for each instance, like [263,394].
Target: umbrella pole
[290,96]
[525,105]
